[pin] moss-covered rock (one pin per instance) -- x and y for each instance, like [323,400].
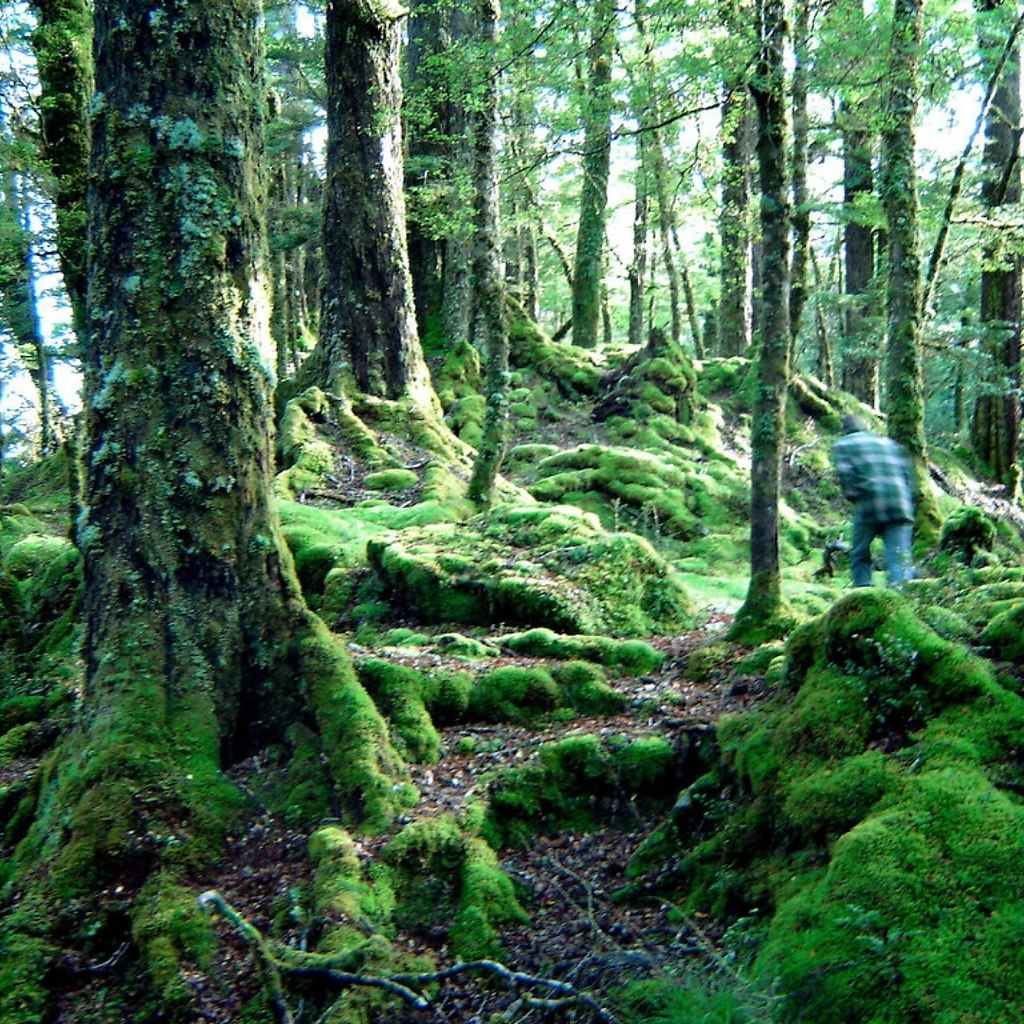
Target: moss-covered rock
[586,689]
[513,694]
[966,533]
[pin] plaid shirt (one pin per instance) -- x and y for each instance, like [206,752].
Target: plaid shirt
[875,472]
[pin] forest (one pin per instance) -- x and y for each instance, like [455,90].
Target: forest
[425,582]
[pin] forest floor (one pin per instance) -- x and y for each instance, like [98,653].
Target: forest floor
[576,933]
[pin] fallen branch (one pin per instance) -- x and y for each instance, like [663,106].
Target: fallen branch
[276,960]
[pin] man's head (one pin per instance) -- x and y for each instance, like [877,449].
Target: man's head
[853,424]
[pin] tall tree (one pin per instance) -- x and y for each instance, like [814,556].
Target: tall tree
[763,612]
[488,284]
[995,424]
[197,646]
[898,186]
[735,304]
[368,334]
[595,165]
[62,45]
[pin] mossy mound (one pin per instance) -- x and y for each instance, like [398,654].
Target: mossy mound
[869,813]
[663,493]
[630,657]
[532,566]
[580,781]
[659,380]
[573,370]
[447,879]
[967,533]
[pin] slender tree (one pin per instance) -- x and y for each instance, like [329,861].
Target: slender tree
[596,160]
[62,44]
[898,185]
[488,284]
[763,611]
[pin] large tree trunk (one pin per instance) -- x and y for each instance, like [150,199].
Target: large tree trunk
[368,335]
[488,284]
[995,425]
[586,278]
[801,194]
[762,612]
[904,398]
[198,648]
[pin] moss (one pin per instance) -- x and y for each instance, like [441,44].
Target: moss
[446,878]
[340,891]
[1005,634]
[27,952]
[174,938]
[459,646]
[860,811]
[587,690]
[366,769]
[399,694]
[514,695]
[391,479]
[564,572]
[630,657]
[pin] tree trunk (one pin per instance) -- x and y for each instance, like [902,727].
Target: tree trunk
[489,291]
[861,362]
[368,335]
[62,46]
[801,195]
[638,265]
[995,424]
[762,613]
[197,648]
[735,308]
[904,398]
[597,106]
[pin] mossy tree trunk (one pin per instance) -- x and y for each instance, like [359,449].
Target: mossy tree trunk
[860,361]
[488,285]
[62,45]
[898,187]
[801,196]
[995,424]
[590,235]
[638,265]
[735,309]
[19,308]
[198,649]
[368,335]
[762,613]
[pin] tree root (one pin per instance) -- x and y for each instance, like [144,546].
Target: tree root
[276,961]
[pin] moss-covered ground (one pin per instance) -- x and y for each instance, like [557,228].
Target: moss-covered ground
[552,756]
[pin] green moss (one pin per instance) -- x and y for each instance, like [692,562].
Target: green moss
[450,879]
[630,657]
[365,767]
[399,694]
[391,479]
[514,695]
[587,690]
[27,952]
[174,938]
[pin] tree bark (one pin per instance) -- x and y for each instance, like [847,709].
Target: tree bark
[590,236]
[197,647]
[801,194]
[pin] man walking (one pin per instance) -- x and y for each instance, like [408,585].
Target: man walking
[875,473]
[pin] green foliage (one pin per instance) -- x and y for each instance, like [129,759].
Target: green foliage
[966,533]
